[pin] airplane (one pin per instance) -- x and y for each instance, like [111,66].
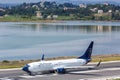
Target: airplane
[60,66]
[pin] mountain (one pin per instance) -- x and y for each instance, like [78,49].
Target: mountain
[115,2]
[7,5]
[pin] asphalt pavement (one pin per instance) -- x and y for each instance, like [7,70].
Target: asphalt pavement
[103,72]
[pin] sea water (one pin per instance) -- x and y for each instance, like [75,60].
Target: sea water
[29,40]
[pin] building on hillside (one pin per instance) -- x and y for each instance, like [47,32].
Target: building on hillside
[6,15]
[110,11]
[100,11]
[49,17]
[55,16]
[2,10]
[94,9]
[68,8]
[117,11]
[1,16]
[106,3]
[38,14]
[52,16]
[103,16]
[82,6]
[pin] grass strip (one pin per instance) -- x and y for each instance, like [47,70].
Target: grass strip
[5,64]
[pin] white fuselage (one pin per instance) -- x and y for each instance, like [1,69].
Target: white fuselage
[55,64]
[60,66]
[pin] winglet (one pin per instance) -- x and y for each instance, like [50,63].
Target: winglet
[42,57]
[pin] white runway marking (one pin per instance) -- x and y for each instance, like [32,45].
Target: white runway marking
[5,78]
[104,78]
[37,76]
[100,70]
[10,69]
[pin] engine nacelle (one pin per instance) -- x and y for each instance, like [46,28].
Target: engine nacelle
[61,70]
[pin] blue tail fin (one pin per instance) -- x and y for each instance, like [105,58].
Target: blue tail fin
[88,52]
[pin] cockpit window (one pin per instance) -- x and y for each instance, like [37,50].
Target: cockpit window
[27,65]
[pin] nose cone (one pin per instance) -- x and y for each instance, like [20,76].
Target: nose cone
[26,68]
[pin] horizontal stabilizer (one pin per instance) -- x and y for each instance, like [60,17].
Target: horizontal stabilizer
[99,63]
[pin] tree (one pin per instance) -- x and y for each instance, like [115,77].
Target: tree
[45,16]
[2,13]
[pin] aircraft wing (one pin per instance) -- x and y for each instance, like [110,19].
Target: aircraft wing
[80,67]
[84,67]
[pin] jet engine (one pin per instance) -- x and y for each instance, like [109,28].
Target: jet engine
[61,70]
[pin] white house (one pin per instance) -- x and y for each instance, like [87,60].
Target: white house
[100,11]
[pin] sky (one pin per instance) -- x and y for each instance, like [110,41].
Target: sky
[28,1]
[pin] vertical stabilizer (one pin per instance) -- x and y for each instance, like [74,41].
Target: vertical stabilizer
[88,52]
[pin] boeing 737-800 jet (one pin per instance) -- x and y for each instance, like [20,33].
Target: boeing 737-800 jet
[60,66]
